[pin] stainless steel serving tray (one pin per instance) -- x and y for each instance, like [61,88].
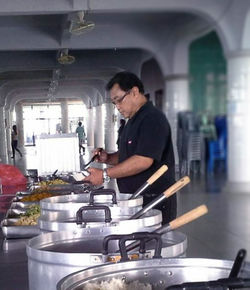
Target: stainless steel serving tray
[10,231]
[23,193]
[15,212]
[66,188]
[22,205]
[19,198]
[18,204]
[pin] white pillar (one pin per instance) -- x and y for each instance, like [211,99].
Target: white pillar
[239,124]
[176,100]
[109,127]
[65,116]
[3,142]
[19,123]
[90,127]
[98,130]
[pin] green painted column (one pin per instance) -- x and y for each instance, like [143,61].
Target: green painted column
[207,70]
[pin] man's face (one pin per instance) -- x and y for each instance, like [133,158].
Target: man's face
[123,100]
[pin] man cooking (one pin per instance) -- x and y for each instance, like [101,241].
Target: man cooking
[144,145]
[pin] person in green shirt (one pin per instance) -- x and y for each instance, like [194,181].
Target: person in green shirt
[81,137]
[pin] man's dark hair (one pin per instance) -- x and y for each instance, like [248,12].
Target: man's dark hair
[80,124]
[126,81]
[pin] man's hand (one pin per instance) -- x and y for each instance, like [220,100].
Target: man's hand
[95,177]
[101,155]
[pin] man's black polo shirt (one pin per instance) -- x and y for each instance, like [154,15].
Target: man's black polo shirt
[147,134]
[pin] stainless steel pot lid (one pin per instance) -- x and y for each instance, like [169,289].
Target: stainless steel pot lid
[72,209]
[159,273]
[74,202]
[79,248]
[59,221]
[89,244]
[83,245]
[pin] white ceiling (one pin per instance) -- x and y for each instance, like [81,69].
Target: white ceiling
[32,32]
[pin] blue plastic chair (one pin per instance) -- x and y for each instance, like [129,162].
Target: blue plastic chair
[218,149]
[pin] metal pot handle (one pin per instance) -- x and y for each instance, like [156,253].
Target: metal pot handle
[102,192]
[80,219]
[106,241]
[142,237]
[240,258]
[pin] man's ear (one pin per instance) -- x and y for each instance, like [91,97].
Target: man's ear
[135,91]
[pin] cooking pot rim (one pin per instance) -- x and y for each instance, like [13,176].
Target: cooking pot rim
[100,272]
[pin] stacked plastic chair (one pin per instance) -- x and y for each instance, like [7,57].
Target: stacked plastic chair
[180,142]
[218,148]
[188,141]
[194,150]
[208,133]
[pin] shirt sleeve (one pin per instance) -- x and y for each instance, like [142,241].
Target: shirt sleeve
[153,137]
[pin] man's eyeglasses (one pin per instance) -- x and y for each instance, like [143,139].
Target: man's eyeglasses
[118,101]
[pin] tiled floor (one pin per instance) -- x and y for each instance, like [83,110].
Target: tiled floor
[219,234]
[224,230]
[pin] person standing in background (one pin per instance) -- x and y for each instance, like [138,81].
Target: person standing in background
[81,137]
[14,142]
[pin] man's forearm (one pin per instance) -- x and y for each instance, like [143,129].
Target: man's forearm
[131,166]
[113,158]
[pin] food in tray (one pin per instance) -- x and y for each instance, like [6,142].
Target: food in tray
[29,218]
[36,196]
[32,210]
[117,284]
[51,182]
[40,190]
[47,185]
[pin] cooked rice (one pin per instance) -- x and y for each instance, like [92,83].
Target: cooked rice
[117,284]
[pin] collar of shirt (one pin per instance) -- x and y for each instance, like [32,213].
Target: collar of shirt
[148,104]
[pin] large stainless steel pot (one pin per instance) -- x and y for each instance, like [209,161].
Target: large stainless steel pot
[64,221]
[160,273]
[99,216]
[119,204]
[52,256]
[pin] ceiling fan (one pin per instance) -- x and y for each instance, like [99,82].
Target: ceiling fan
[80,25]
[65,58]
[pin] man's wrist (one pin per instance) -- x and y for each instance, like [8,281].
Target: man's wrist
[106,177]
